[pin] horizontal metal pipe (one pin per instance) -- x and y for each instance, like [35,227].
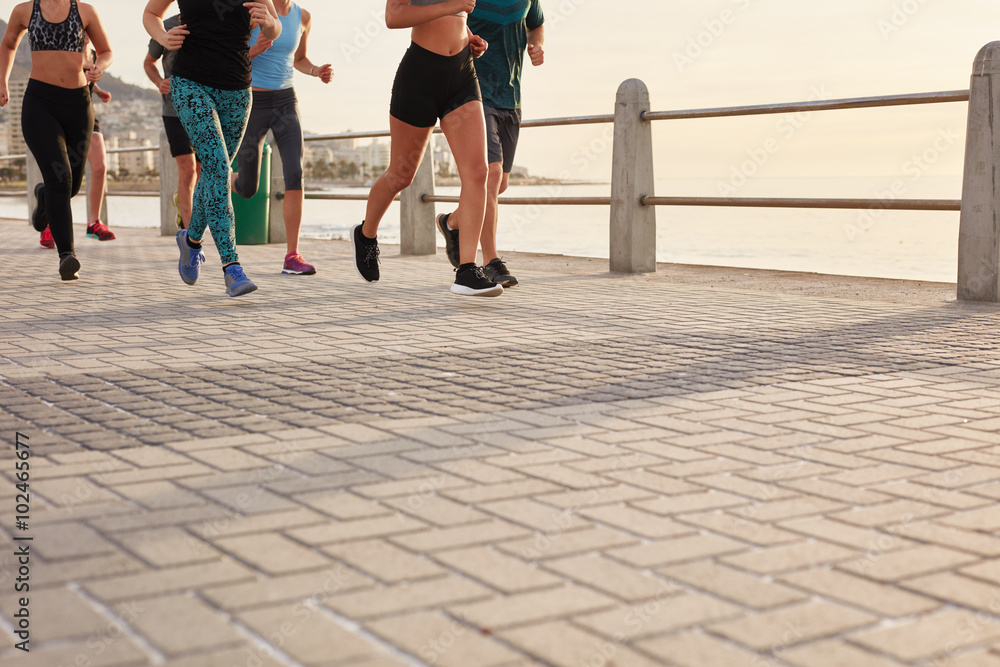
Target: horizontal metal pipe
[570,120]
[523,201]
[334,197]
[541,122]
[779,202]
[817,105]
[139,193]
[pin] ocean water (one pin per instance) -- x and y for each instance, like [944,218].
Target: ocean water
[914,245]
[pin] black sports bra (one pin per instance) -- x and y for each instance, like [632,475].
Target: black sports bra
[65,36]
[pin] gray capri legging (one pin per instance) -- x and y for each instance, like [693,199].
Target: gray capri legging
[276,110]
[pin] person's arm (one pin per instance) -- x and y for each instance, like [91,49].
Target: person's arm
[152,21]
[16,27]
[99,40]
[260,46]
[477,45]
[302,62]
[102,94]
[536,45]
[401,14]
[265,16]
[151,70]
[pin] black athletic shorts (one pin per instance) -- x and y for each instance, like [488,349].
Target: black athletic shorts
[97,126]
[503,126]
[429,86]
[177,137]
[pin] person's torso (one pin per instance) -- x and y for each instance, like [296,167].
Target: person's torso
[216,52]
[66,35]
[504,25]
[275,68]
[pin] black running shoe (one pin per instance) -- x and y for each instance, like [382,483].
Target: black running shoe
[470,281]
[38,218]
[365,255]
[68,267]
[450,239]
[497,271]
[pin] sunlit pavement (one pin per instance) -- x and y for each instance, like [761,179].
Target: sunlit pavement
[699,467]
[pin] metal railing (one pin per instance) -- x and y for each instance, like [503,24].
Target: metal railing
[633,200]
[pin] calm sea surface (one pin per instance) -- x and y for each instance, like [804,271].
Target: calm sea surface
[911,245]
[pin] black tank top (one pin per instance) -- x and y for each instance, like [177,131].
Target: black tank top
[217,52]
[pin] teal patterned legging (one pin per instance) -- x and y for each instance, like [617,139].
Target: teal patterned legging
[215,120]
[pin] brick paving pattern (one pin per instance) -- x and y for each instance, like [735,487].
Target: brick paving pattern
[590,470]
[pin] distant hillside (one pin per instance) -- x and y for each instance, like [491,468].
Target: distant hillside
[121,90]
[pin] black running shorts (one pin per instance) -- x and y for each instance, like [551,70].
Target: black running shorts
[429,86]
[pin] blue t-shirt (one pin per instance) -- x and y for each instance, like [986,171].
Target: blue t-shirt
[275,68]
[504,24]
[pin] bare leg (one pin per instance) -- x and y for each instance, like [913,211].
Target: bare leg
[496,184]
[407,147]
[99,176]
[188,171]
[465,129]
[292,206]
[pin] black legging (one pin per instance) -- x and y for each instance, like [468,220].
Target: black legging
[57,124]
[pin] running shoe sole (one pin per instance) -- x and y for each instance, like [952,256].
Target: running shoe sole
[240,290]
[508,282]
[68,268]
[293,272]
[462,290]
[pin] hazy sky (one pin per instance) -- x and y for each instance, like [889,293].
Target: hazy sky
[691,54]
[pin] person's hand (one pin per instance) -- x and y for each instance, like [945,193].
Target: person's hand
[176,37]
[537,54]
[325,73]
[462,6]
[103,95]
[4,95]
[165,87]
[259,14]
[478,46]
[94,74]
[262,45]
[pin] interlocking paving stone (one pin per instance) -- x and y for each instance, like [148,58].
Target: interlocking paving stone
[694,467]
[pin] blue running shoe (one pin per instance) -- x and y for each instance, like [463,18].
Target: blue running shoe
[189,265]
[237,283]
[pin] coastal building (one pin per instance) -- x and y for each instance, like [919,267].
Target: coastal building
[136,163]
[15,140]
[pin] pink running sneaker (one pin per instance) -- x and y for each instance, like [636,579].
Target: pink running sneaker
[98,230]
[46,240]
[295,265]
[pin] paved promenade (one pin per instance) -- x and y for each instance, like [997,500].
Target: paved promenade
[699,467]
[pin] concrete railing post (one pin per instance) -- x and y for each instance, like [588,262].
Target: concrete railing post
[633,226]
[169,180]
[979,235]
[276,204]
[417,235]
[34,177]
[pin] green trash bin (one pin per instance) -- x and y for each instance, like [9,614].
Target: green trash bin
[252,214]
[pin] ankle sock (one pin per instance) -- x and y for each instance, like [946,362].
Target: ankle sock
[193,245]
